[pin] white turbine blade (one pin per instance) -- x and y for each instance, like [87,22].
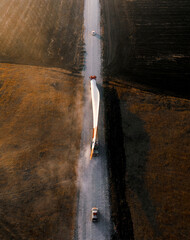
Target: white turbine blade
[95,109]
[95,102]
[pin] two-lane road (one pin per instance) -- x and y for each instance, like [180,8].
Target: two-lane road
[93,175]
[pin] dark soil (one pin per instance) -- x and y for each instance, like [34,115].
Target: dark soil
[147,41]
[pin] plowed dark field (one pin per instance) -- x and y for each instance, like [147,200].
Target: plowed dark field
[147,41]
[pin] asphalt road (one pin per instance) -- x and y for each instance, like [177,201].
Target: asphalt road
[93,175]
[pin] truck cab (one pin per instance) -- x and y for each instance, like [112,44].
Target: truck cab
[96,149]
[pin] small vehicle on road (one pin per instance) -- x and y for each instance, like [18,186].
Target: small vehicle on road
[93,33]
[94,214]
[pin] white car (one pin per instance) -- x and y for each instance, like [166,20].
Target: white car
[94,214]
[93,33]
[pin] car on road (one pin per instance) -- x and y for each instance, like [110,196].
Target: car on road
[93,33]
[94,214]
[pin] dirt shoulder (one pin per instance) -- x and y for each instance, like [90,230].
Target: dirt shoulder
[38,32]
[155,140]
[40,131]
[148,42]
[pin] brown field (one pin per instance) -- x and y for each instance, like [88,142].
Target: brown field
[40,130]
[157,142]
[155,137]
[147,41]
[38,32]
[40,117]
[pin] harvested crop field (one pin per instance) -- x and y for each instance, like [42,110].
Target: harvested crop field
[40,130]
[155,143]
[147,41]
[38,32]
[41,99]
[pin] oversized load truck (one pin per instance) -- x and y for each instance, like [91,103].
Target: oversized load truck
[95,109]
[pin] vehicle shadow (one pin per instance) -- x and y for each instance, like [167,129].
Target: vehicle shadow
[127,157]
[103,225]
[99,36]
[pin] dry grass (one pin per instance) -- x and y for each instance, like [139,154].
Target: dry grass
[157,142]
[40,127]
[38,32]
